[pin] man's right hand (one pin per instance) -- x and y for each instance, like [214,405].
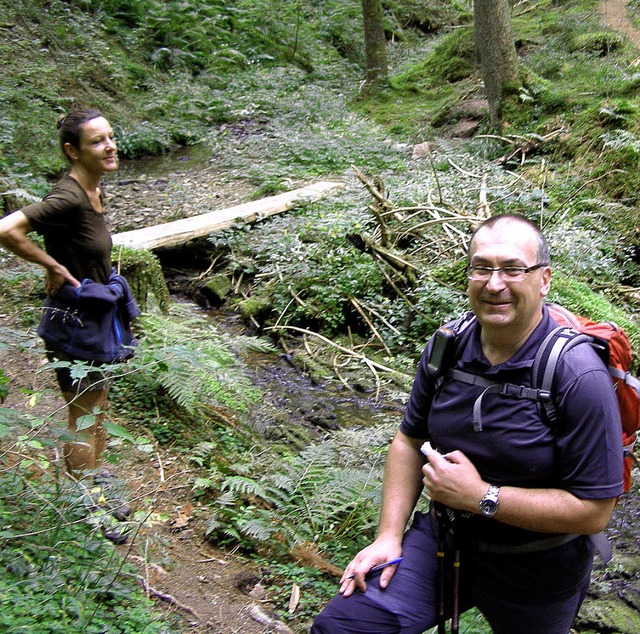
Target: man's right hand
[376,553]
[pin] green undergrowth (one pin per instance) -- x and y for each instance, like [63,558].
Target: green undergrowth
[59,575]
[581,299]
[184,376]
[142,270]
[577,76]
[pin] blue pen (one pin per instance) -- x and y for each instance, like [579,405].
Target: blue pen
[393,562]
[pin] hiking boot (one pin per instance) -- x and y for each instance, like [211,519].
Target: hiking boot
[105,495]
[115,536]
[112,529]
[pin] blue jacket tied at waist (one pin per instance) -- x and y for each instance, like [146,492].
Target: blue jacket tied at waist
[92,322]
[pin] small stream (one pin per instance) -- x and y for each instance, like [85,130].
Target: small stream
[294,405]
[297,408]
[161,166]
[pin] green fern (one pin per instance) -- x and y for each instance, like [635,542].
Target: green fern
[246,487]
[196,365]
[322,494]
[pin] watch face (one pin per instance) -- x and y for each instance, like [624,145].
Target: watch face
[488,507]
[489,503]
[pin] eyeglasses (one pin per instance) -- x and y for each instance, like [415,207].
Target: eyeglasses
[507,273]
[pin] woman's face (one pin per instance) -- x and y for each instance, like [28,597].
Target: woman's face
[97,151]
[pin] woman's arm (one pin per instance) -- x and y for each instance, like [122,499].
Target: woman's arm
[14,230]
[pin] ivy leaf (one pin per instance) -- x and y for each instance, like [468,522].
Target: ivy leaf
[119,431]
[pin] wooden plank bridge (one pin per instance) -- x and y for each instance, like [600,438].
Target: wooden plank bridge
[181,231]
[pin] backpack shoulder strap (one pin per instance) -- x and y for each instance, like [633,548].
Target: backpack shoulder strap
[463,329]
[495,387]
[447,345]
[554,345]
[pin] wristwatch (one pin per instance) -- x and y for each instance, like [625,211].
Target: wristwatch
[489,503]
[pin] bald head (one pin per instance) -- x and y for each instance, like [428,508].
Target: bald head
[505,219]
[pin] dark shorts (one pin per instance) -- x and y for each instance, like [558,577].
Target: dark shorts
[86,376]
[532,593]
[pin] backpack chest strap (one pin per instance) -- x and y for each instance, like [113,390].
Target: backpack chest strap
[495,387]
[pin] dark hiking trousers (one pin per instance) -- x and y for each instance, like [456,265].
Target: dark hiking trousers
[532,593]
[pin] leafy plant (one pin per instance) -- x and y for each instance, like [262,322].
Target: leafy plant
[58,576]
[326,495]
[186,357]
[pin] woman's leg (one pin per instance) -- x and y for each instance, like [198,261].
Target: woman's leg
[85,452]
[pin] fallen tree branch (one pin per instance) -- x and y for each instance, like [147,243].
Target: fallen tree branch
[483,204]
[167,597]
[257,614]
[374,330]
[362,357]
[385,321]
[366,245]
[398,291]
[462,171]
[529,147]
[338,373]
[443,221]
[373,190]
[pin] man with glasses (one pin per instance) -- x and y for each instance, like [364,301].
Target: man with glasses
[513,501]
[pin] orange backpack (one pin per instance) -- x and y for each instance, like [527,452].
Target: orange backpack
[613,345]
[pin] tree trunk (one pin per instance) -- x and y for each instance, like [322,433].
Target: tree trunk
[496,51]
[375,45]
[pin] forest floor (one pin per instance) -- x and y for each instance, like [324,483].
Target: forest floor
[615,15]
[206,586]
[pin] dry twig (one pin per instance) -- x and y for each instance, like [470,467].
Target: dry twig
[167,597]
[374,330]
[347,351]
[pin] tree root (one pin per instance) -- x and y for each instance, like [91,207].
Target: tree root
[151,591]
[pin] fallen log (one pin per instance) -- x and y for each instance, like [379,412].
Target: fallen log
[367,245]
[529,147]
[181,231]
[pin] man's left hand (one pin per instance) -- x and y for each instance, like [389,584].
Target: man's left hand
[453,480]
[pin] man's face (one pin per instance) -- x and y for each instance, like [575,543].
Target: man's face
[508,306]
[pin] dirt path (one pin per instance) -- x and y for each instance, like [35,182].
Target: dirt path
[615,15]
[212,590]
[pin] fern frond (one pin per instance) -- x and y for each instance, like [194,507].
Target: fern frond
[245,486]
[227,498]
[307,497]
[258,529]
[189,359]
[202,484]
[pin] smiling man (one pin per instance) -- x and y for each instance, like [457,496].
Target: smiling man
[513,500]
[505,291]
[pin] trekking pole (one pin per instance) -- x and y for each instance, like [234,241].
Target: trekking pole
[441,572]
[455,615]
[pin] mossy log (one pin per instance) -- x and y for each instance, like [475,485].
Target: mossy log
[186,229]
